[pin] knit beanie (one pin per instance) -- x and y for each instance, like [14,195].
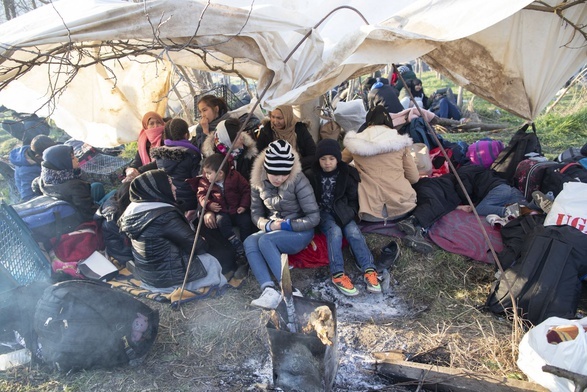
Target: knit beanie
[58,157]
[279,158]
[328,147]
[40,143]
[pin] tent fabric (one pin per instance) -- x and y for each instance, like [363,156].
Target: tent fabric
[508,52]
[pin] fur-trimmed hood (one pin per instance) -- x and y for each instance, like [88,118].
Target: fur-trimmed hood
[170,153]
[375,140]
[208,147]
[259,174]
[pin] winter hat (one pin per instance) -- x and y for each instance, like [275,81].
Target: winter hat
[40,143]
[328,147]
[403,69]
[279,158]
[58,157]
[152,186]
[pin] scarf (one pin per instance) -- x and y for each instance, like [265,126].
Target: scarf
[153,136]
[181,143]
[152,186]
[54,177]
[223,148]
[289,132]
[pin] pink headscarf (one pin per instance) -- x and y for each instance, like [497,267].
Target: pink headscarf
[153,135]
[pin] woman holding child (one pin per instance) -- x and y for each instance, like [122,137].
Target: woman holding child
[284,209]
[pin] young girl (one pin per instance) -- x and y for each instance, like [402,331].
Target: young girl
[212,109]
[284,209]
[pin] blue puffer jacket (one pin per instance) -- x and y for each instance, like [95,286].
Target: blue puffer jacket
[25,171]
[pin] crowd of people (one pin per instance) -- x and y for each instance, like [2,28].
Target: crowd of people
[260,194]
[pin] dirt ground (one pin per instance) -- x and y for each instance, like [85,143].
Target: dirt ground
[430,312]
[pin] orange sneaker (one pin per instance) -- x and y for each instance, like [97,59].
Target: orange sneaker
[372,282]
[344,284]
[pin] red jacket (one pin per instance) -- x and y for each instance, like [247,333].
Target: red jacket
[237,192]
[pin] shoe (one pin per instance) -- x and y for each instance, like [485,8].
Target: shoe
[297,293]
[269,300]
[372,282]
[542,201]
[418,243]
[241,272]
[344,285]
[389,255]
[496,221]
[408,225]
[512,211]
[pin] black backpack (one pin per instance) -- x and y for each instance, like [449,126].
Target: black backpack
[545,280]
[521,144]
[82,324]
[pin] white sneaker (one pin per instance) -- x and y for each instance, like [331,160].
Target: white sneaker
[268,300]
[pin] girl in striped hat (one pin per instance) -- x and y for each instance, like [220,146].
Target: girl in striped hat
[284,209]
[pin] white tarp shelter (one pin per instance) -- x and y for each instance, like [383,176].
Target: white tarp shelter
[110,61]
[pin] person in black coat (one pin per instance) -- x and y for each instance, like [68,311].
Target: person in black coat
[162,238]
[285,126]
[336,189]
[180,159]
[60,178]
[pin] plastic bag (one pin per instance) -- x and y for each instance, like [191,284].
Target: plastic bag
[535,352]
[422,158]
[570,207]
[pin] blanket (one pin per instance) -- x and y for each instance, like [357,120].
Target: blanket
[459,232]
[127,282]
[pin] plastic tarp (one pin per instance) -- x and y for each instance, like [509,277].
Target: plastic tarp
[514,53]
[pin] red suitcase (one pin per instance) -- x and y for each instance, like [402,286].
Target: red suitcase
[529,174]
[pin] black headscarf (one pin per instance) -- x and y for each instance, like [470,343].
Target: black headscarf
[152,185]
[377,115]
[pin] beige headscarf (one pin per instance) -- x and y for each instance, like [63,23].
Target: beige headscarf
[289,132]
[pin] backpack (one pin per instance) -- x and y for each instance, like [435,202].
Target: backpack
[545,280]
[484,152]
[571,154]
[520,145]
[556,176]
[514,234]
[48,217]
[530,173]
[82,324]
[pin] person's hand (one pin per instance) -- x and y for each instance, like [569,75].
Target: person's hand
[205,125]
[191,215]
[216,207]
[240,210]
[210,220]
[130,173]
[276,224]
[466,208]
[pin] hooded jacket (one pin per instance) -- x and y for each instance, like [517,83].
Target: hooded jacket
[180,163]
[237,192]
[294,199]
[346,197]
[387,170]
[244,162]
[162,241]
[26,169]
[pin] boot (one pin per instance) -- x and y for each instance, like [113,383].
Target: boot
[238,246]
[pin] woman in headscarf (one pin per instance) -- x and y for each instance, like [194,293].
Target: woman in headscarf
[244,147]
[212,110]
[150,136]
[162,238]
[285,126]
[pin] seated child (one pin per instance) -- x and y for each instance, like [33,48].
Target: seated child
[336,188]
[229,203]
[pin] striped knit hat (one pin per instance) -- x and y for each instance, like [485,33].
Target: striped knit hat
[279,158]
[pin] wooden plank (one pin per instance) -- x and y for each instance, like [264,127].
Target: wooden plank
[447,379]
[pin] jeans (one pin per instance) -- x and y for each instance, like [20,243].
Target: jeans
[264,251]
[243,221]
[497,198]
[352,233]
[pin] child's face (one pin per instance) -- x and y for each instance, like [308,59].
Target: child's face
[209,173]
[277,180]
[328,163]
[74,161]
[207,112]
